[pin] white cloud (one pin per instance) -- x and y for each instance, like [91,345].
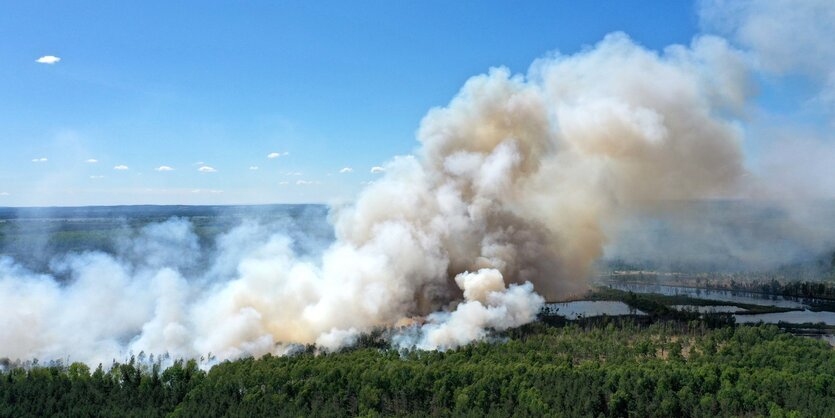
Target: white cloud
[346,170]
[206,169]
[120,167]
[48,59]
[377,169]
[276,154]
[253,167]
[39,160]
[306,182]
[164,168]
[284,183]
[96,177]
[91,161]
[211,191]
[5,194]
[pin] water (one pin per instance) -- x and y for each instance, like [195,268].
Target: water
[800,316]
[589,308]
[793,317]
[719,295]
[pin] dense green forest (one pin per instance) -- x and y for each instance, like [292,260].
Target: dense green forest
[606,367]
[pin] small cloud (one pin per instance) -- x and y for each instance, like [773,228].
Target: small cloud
[307,182]
[164,168]
[346,170]
[48,59]
[377,170]
[39,160]
[211,191]
[91,161]
[120,167]
[5,194]
[253,167]
[207,169]
[284,183]
[273,155]
[199,163]
[96,177]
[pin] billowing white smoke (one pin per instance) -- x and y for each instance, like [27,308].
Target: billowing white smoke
[513,188]
[487,305]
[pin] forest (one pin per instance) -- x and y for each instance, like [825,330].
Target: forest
[604,367]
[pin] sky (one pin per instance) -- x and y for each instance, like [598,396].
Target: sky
[152,102]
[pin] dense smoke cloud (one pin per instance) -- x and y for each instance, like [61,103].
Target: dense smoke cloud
[783,217]
[508,193]
[513,192]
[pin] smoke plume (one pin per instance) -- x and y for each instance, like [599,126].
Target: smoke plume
[512,194]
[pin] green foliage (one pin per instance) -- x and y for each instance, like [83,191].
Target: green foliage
[617,368]
[124,390]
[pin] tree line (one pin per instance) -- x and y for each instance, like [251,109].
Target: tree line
[610,367]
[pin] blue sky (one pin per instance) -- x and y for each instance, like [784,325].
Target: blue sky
[327,85]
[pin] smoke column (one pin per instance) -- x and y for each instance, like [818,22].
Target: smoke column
[509,196]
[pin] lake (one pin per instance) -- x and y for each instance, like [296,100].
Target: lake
[719,295]
[588,308]
[793,317]
[800,316]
